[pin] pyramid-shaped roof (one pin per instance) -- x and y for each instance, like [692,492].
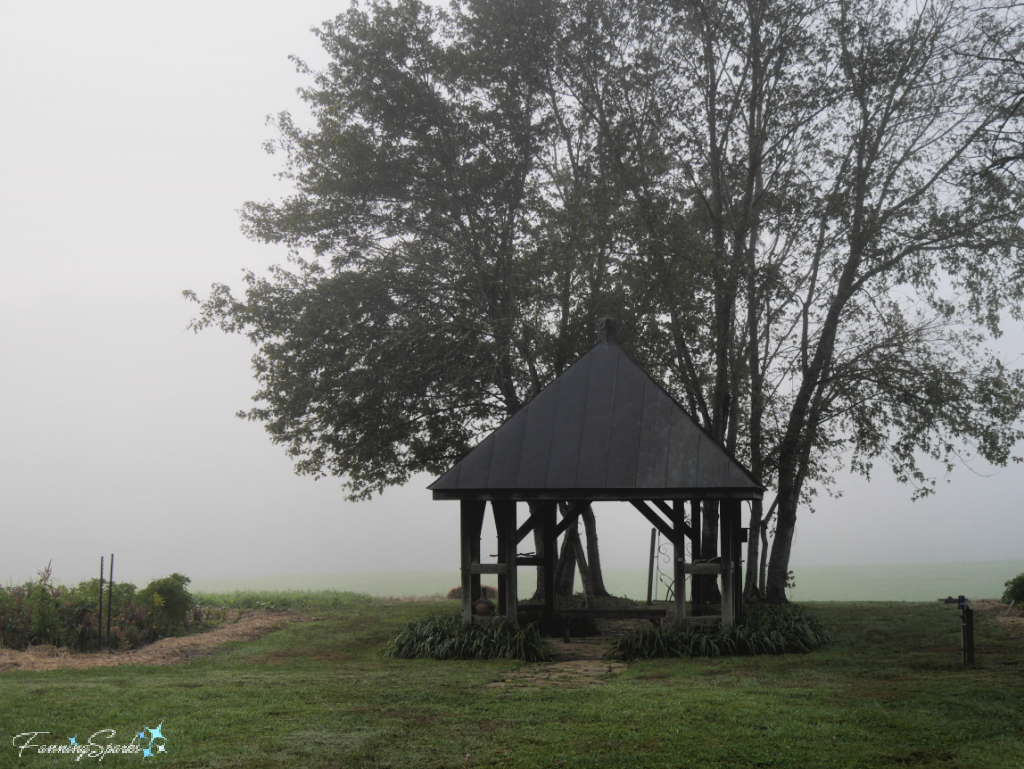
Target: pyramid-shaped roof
[603,429]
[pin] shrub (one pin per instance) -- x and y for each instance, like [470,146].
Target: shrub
[765,630]
[1014,590]
[168,603]
[446,638]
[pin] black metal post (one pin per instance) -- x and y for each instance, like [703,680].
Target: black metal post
[110,596]
[99,620]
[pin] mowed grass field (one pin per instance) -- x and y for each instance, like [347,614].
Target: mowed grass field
[890,693]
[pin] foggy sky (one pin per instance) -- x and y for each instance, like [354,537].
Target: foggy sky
[131,136]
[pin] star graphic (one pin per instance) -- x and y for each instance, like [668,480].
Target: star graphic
[73,740]
[142,734]
[161,749]
[146,753]
[155,733]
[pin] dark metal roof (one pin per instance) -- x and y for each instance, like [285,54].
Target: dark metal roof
[602,430]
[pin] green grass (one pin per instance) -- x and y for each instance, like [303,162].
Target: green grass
[890,692]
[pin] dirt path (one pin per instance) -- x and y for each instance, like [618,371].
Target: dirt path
[577,664]
[246,626]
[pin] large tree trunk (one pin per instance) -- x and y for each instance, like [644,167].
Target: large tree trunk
[763,566]
[581,561]
[593,554]
[778,566]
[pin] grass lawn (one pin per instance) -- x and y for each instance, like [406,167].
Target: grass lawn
[891,692]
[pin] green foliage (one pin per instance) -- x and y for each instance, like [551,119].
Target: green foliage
[280,600]
[765,630]
[168,603]
[1014,590]
[41,613]
[446,638]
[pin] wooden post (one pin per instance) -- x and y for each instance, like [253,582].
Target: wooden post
[505,520]
[474,552]
[696,593]
[650,570]
[966,632]
[679,559]
[725,530]
[500,527]
[737,558]
[471,515]
[549,519]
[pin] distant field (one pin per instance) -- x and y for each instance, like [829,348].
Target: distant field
[905,582]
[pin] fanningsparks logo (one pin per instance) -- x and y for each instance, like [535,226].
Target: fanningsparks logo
[147,743]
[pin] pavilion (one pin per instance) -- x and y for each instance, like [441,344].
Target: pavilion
[603,430]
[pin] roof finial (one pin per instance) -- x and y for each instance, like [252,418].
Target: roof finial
[606,330]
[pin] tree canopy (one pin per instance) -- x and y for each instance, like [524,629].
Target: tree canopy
[806,214]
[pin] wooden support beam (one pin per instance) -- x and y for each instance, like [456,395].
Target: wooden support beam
[734,508]
[725,527]
[568,521]
[508,589]
[655,519]
[500,526]
[548,512]
[525,529]
[590,494]
[696,528]
[677,524]
[703,568]
[676,514]
[471,515]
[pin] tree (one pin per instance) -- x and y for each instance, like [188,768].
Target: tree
[830,169]
[808,214]
[432,284]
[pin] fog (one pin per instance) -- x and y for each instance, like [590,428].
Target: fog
[132,135]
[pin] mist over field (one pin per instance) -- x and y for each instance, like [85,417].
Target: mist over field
[120,433]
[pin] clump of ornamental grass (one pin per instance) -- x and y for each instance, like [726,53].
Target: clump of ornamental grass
[446,638]
[765,630]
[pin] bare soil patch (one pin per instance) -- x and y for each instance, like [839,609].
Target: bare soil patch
[246,625]
[577,664]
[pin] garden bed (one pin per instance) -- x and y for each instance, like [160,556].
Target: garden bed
[244,625]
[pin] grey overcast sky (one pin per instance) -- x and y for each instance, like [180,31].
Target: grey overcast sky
[131,134]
